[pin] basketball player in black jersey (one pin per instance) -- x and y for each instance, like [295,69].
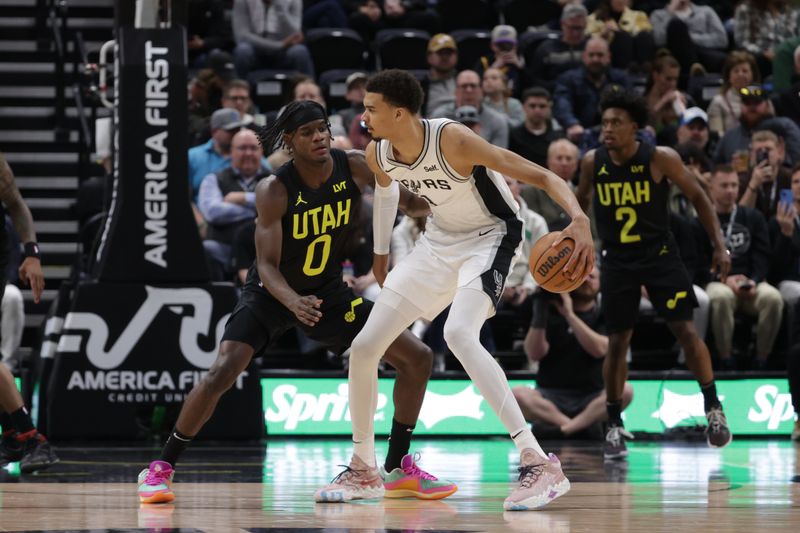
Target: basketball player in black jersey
[629,179]
[305,213]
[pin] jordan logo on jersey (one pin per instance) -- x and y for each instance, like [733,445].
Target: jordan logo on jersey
[603,171]
[300,199]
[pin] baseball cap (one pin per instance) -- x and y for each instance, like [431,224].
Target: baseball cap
[574,10]
[753,92]
[467,114]
[694,113]
[504,34]
[354,77]
[222,65]
[441,41]
[226,118]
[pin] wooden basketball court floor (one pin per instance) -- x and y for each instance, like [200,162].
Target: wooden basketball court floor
[752,485]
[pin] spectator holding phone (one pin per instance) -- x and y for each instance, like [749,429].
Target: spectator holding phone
[767,175]
[784,232]
[745,289]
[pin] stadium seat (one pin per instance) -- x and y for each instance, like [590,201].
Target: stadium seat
[271,87]
[336,48]
[531,40]
[703,88]
[404,48]
[457,14]
[332,83]
[472,45]
[522,14]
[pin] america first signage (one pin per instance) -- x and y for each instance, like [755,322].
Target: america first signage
[150,235]
[126,348]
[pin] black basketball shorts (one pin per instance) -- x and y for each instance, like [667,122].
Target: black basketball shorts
[658,266]
[259,319]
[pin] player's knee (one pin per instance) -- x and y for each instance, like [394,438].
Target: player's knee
[232,361]
[457,335]
[362,349]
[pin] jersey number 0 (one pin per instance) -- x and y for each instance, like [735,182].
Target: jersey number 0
[325,242]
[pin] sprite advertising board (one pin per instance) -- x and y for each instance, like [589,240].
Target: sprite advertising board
[319,406]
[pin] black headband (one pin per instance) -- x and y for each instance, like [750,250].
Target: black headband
[304,116]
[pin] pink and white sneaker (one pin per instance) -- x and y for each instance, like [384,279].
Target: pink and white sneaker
[540,482]
[155,483]
[359,481]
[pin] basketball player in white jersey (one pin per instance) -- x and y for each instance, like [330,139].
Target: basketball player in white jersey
[462,259]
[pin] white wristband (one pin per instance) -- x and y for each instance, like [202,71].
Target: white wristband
[384,212]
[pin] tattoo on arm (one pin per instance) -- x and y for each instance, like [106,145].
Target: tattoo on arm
[17,210]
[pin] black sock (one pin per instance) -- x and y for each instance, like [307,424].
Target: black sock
[399,443]
[710,399]
[614,413]
[6,424]
[21,420]
[176,443]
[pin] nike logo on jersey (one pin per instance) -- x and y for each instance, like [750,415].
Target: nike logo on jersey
[300,199]
[672,303]
[482,233]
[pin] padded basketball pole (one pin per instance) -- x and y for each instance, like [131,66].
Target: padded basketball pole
[143,331]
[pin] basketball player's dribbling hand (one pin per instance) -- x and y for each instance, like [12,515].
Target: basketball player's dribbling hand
[30,272]
[306,309]
[582,260]
[721,263]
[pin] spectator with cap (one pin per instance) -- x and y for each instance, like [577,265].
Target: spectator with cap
[693,33]
[532,138]
[505,56]
[216,153]
[227,199]
[576,101]
[757,114]
[555,56]
[439,85]
[694,129]
[494,128]
[205,94]
[268,35]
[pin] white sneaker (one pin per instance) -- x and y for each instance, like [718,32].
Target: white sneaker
[359,481]
[540,482]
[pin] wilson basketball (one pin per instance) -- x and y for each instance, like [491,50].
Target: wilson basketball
[547,263]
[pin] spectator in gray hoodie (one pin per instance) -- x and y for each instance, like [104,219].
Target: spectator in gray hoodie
[268,35]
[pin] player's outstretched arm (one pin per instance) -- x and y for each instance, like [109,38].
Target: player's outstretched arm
[463,149]
[30,271]
[364,174]
[271,202]
[669,163]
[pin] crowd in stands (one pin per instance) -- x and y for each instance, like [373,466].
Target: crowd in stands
[721,80]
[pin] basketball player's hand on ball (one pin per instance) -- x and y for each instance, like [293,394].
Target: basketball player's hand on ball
[380,267]
[582,260]
[30,272]
[306,309]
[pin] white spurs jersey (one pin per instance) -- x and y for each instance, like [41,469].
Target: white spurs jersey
[461,206]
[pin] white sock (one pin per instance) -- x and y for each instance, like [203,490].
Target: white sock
[462,334]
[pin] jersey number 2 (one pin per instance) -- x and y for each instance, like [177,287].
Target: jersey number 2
[325,241]
[625,235]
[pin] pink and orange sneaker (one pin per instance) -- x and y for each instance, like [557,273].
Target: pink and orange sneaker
[410,481]
[155,483]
